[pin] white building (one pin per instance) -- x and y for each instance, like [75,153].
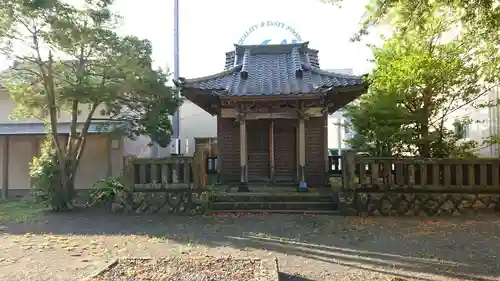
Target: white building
[485,123]
[336,131]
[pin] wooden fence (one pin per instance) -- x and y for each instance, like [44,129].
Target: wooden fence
[432,174]
[415,185]
[163,185]
[174,171]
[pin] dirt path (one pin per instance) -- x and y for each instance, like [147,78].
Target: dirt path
[71,246]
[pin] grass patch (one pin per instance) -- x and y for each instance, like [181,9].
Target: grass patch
[21,211]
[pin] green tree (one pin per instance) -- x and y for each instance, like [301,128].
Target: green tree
[479,16]
[478,22]
[419,81]
[73,61]
[378,123]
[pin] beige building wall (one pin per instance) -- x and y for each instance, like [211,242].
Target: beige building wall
[93,167]
[94,164]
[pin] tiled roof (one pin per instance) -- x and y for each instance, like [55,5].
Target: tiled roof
[271,70]
[313,59]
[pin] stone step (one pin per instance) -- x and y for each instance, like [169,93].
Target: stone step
[260,211]
[269,197]
[303,206]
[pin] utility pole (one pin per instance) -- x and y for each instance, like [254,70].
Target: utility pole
[176,119]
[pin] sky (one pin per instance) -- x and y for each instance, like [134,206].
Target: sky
[209,28]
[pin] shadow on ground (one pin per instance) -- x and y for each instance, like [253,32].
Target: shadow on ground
[460,249]
[286,277]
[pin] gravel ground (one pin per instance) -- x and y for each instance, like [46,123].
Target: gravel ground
[63,247]
[189,269]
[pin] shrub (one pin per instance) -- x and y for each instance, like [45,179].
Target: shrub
[105,191]
[47,178]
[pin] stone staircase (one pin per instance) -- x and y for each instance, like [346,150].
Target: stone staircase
[275,201]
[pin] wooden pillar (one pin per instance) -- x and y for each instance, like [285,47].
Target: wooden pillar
[325,144]
[243,187]
[302,153]
[297,148]
[271,150]
[5,168]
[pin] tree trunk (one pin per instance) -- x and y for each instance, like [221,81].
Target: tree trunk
[425,147]
[64,187]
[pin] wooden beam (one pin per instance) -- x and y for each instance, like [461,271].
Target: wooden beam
[5,168]
[271,150]
[277,97]
[285,114]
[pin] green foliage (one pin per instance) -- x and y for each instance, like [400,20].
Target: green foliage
[419,82]
[46,175]
[477,22]
[75,64]
[481,17]
[379,124]
[21,211]
[105,191]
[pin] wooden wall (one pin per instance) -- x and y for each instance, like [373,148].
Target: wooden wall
[228,142]
[229,149]
[315,151]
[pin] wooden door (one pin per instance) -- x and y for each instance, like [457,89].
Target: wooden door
[285,150]
[258,150]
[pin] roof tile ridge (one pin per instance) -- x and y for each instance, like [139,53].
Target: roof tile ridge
[183,81]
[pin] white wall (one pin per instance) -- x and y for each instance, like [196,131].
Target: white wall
[494,119]
[486,122]
[337,119]
[194,123]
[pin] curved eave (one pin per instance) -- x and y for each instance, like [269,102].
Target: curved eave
[205,99]
[338,97]
[192,83]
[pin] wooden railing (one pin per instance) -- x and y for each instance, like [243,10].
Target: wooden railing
[335,164]
[419,186]
[174,171]
[211,165]
[433,174]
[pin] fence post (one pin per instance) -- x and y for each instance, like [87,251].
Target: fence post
[198,164]
[128,171]
[348,170]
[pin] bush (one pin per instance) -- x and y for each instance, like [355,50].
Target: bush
[47,182]
[105,191]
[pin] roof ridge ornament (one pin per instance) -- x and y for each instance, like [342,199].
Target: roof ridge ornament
[297,64]
[244,64]
[307,62]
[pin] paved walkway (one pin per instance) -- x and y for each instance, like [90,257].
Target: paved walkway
[318,248]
